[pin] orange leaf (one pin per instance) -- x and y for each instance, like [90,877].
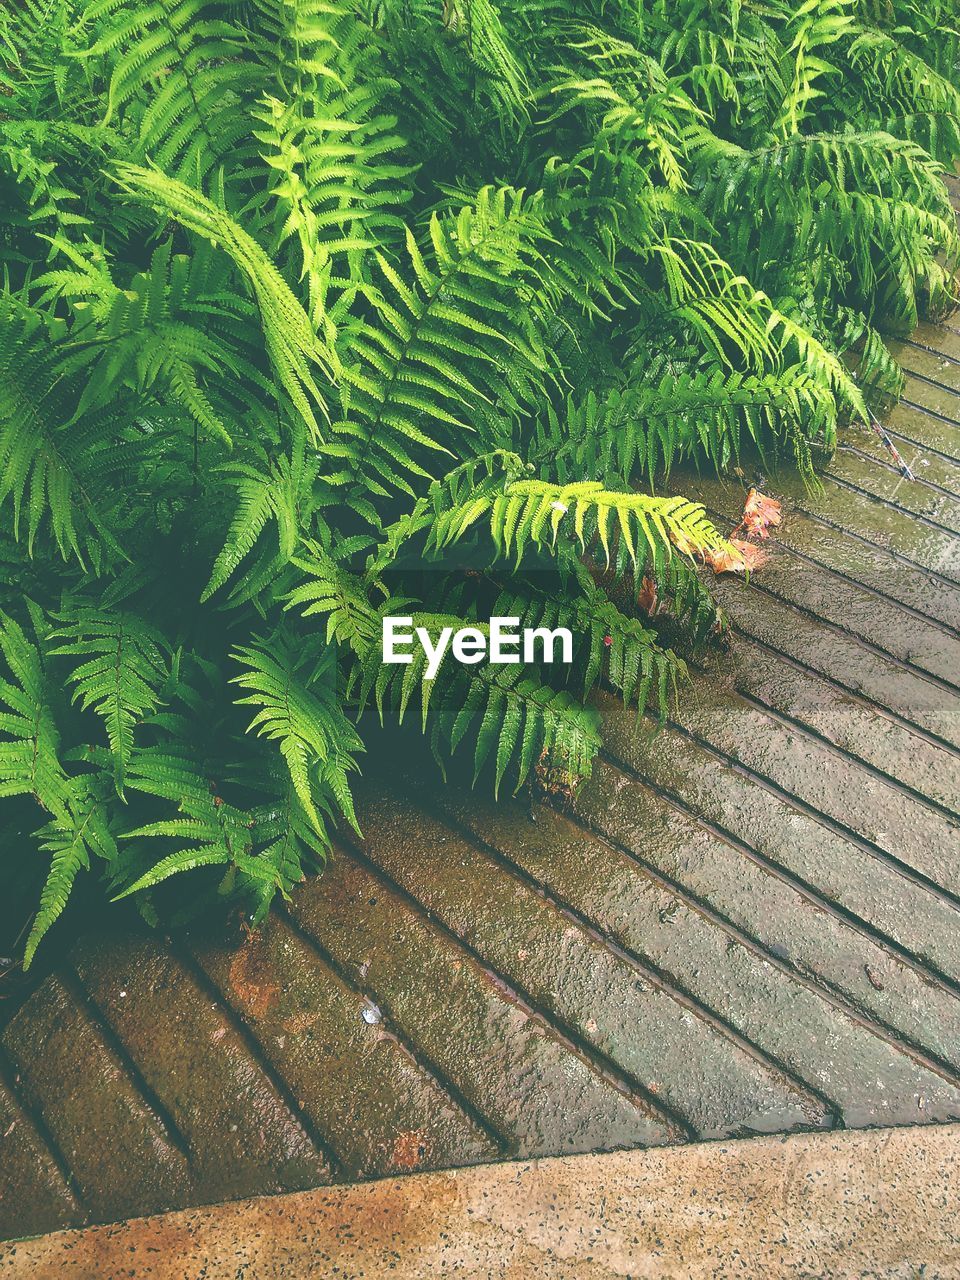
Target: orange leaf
[760,514]
[741,557]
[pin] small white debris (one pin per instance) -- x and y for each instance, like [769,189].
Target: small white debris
[559,506]
[371,1015]
[123,995]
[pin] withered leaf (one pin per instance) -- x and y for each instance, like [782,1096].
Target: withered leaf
[739,557]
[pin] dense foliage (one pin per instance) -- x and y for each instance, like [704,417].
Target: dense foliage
[318,310]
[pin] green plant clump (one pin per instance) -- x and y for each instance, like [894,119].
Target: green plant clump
[316,311]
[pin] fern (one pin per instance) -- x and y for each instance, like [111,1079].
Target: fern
[299,709]
[449,346]
[31,764]
[335,161]
[193,55]
[517,720]
[610,644]
[30,751]
[292,344]
[70,839]
[125,667]
[632,527]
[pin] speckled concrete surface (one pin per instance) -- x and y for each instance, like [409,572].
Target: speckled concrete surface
[866,1204]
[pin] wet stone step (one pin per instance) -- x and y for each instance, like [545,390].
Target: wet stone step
[836,1051]
[933,365]
[534,1091]
[849,559]
[934,473]
[849,723]
[925,545]
[943,339]
[923,702]
[914,429]
[882,623]
[378,1110]
[730,801]
[887,484]
[893,821]
[938,400]
[34,1193]
[240,1135]
[123,1158]
[712,1086]
[701,952]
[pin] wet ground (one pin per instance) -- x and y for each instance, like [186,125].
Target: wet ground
[746,923]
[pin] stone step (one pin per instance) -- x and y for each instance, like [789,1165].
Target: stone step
[915,497]
[123,1159]
[829,1047]
[376,1108]
[724,806]
[914,429]
[533,1089]
[734,957]
[611,1007]
[851,724]
[933,471]
[33,1188]
[849,558]
[240,1135]
[921,702]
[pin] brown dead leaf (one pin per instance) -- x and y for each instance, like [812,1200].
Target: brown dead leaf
[760,515]
[743,555]
[739,557]
[647,598]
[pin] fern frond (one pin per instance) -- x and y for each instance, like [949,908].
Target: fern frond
[816,26]
[125,665]
[341,596]
[70,839]
[46,469]
[30,750]
[608,643]
[179,66]
[516,719]
[299,708]
[334,159]
[708,415]
[636,528]
[452,348]
[294,348]
[279,492]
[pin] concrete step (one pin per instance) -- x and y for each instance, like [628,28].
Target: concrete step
[845,1205]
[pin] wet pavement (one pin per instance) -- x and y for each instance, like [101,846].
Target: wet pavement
[746,923]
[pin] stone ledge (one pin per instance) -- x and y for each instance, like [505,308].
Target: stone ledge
[866,1204]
